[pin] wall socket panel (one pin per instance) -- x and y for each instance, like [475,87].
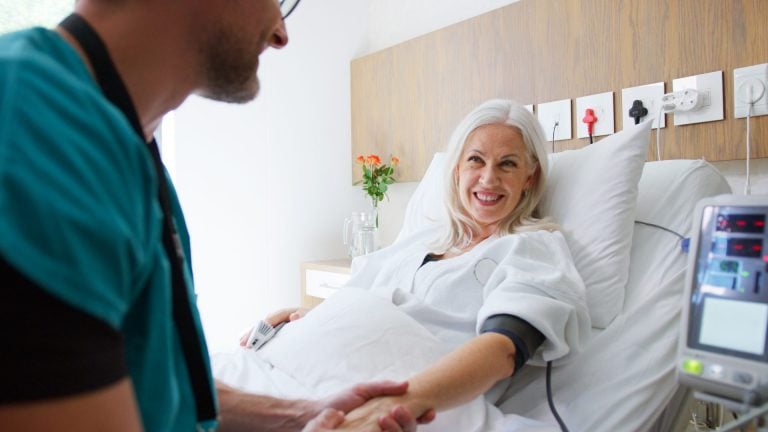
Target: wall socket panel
[750,83]
[558,112]
[710,85]
[602,105]
[650,95]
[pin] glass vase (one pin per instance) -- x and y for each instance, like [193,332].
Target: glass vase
[375,212]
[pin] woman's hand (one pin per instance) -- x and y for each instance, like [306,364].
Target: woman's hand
[399,420]
[394,418]
[286,315]
[275,318]
[386,413]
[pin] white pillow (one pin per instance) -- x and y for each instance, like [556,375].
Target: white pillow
[426,204]
[592,193]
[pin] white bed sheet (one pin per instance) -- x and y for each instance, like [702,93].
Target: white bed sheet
[622,380]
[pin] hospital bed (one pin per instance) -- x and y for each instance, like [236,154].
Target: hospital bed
[623,380]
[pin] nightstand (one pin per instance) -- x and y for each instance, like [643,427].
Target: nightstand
[320,279]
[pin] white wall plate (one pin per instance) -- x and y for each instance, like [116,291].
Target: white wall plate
[650,95]
[711,86]
[529,108]
[602,105]
[750,83]
[558,112]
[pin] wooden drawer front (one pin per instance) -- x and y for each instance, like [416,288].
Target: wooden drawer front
[322,284]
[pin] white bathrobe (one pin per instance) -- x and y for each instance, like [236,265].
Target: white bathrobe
[530,275]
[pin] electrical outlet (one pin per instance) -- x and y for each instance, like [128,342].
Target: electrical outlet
[650,95]
[602,105]
[557,112]
[750,84]
[710,98]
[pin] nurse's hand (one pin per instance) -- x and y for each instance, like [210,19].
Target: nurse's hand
[273,319]
[396,419]
[400,420]
[327,420]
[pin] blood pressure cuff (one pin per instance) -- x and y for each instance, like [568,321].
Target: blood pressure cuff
[525,336]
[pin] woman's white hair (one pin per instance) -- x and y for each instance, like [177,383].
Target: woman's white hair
[524,217]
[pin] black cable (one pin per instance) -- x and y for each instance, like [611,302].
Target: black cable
[685,243]
[590,139]
[682,237]
[560,421]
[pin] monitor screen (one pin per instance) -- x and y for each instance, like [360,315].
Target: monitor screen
[734,325]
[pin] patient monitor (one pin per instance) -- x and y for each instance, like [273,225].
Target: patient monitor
[723,349]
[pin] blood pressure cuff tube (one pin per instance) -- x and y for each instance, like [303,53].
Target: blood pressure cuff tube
[525,337]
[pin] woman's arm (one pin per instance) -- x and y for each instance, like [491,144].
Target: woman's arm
[457,378]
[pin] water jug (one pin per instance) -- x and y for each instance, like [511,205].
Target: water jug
[360,234]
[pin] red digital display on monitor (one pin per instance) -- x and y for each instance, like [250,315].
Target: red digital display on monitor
[741,223]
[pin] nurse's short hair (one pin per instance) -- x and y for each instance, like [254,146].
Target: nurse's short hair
[525,216]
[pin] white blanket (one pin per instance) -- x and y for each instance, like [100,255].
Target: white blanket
[353,337]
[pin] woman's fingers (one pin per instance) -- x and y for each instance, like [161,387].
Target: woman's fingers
[244,338]
[298,314]
[285,315]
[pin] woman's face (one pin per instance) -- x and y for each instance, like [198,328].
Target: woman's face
[493,172]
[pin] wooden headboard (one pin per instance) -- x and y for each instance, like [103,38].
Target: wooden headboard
[406,100]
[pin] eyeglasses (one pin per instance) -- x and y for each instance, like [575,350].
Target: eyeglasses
[287,7]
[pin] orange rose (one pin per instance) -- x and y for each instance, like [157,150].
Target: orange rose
[395,161]
[360,159]
[374,160]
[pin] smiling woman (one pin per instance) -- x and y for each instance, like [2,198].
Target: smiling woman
[494,171]
[18,14]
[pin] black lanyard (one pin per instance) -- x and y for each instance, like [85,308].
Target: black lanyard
[114,89]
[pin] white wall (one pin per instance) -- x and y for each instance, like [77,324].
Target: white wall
[395,21]
[266,185]
[19,14]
